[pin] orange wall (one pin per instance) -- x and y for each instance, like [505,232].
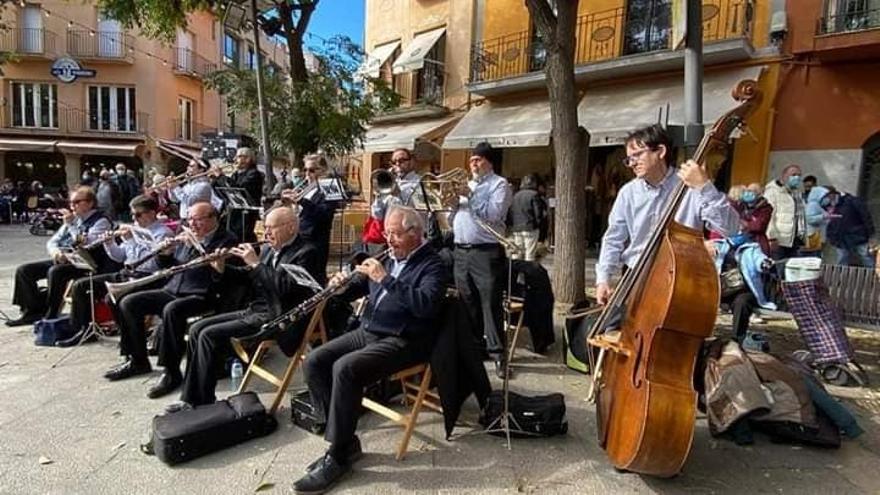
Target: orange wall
[827,107]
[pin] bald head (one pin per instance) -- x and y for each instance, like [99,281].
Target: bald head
[281,225]
[202,218]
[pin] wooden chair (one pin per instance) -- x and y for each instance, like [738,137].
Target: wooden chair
[314,332]
[415,391]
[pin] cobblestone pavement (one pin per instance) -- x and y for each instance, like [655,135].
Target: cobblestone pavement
[66,430]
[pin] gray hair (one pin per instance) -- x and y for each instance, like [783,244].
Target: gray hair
[246,152]
[412,219]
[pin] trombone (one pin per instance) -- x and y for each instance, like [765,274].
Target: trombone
[184,178]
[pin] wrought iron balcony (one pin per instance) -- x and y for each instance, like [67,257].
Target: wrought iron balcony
[190,130]
[101,45]
[848,22]
[64,120]
[606,35]
[28,42]
[190,63]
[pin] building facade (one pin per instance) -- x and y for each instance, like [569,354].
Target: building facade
[829,101]
[80,92]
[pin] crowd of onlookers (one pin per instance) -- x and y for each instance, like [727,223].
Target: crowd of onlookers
[20,200]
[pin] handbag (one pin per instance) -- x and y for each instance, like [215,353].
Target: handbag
[731,282]
[813,242]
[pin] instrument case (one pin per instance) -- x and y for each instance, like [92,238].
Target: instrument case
[190,433]
[303,413]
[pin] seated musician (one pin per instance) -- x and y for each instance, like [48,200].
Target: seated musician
[639,202]
[83,224]
[143,210]
[275,292]
[186,294]
[397,331]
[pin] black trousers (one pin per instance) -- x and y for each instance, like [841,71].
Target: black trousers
[480,278]
[27,295]
[208,345]
[174,310]
[742,306]
[80,306]
[338,371]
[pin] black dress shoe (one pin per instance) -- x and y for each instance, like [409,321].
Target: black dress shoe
[177,407]
[352,454]
[128,370]
[327,473]
[500,366]
[72,341]
[167,383]
[25,319]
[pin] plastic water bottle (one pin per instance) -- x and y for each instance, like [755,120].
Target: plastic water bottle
[235,376]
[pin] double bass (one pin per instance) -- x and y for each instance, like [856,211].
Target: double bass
[668,301]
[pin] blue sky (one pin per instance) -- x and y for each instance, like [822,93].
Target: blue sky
[334,17]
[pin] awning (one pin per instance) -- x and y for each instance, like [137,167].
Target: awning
[18,144]
[97,148]
[505,124]
[611,112]
[374,60]
[413,58]
[405,134]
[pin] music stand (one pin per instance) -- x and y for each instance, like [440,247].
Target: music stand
[239,201]
[334,190]
[81,259]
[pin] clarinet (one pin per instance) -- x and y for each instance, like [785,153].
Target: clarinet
[306,307]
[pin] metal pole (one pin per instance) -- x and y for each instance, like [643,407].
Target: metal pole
[264,124]
[693,77]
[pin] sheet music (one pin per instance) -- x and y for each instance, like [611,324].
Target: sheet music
[301,276]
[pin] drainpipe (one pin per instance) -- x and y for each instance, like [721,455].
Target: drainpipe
[693,77]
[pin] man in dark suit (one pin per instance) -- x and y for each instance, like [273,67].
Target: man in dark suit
[247,177]
[315,212]
[186,294]
[397,331]
[275,290]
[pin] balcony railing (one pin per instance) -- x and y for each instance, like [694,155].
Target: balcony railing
[190,130]
[848,22]
[71,120]
[190,63]
[26,41]
[606,35]
[103,45]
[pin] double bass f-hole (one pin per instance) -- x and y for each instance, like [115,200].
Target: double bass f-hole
[636,377]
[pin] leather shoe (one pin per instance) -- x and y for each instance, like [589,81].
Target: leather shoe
[128,370]
[25,319]
[74,340]
[327,473]
[177,407]
[352,454]
[500,366]
[167,383]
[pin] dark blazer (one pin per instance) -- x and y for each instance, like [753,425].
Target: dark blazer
[855,225]
[201,281]
[527,211]
[316,218]
[413,300]
[249,179]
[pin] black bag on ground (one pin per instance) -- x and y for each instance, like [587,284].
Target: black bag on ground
[303,413]
[190,433]
[51,330]
[543,415]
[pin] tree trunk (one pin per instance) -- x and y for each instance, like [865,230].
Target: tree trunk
[293,32]
[569,145]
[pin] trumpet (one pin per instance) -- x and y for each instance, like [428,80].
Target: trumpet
[297,193]
[306,307]
[117,290]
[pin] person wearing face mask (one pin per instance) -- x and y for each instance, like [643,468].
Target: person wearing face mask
[754,213]
[786,231]
[850,229]
[817,219]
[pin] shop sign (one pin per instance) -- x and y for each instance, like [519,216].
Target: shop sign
[67,70]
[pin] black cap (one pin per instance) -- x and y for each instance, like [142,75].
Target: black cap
[486,151]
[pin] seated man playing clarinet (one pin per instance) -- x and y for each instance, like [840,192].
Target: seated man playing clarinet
[143,210]
[83,224]
[275,292]
[397,331]
[187,293]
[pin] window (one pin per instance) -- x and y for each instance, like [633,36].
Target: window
[251,58]
[185,113]
[853,15]
[35,105]
[429,80]
[230,50]
[112,108]
[648,26]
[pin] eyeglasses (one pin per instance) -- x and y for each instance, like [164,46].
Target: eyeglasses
[630,161]
[390,233]
[198,219]
[268,226]
[400,160]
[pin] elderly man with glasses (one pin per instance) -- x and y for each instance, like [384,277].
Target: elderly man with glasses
[126,248]
[637,208]
[83,224]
